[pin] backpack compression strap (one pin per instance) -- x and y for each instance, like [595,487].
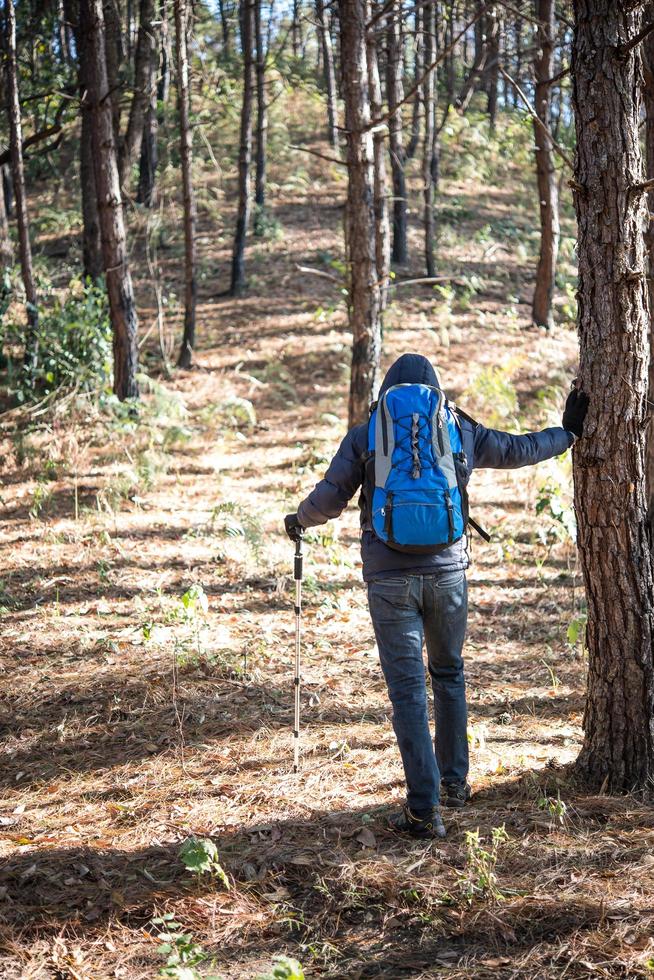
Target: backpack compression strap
[385,440]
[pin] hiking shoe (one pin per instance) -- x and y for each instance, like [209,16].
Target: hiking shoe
[424,827]
[456,794]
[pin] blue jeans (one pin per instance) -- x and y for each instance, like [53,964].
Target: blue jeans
[405,610]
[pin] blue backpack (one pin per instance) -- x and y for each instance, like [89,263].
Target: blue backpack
[416,502]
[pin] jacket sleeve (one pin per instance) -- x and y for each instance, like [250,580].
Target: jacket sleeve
[501,450]
[341,481]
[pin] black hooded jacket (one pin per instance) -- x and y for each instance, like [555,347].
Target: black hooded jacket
[483,447]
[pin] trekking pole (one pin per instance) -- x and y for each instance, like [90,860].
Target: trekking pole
[298,612]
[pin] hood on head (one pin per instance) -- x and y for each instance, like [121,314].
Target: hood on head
[412,369]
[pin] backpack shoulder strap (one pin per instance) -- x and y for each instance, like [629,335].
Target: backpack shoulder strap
[464,415]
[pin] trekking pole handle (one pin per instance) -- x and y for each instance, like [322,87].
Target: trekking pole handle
[297,565]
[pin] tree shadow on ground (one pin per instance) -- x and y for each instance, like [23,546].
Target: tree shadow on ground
[309,865]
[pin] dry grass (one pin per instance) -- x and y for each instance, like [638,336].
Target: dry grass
[113,757]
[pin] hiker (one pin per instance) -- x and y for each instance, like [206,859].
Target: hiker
[412,462]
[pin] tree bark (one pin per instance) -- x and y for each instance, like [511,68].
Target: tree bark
[478,69]
[546,176]
[262,123]
[492,76]
[110,209]
[6,248]
[224,23]
[165,57]
[149,157]
[364,300]
[115,56]
[429,152]
[609,462]
[186,152]
[18,173]
[395,94]
[648,98]
[419,63]
[328,74]
[382,225]
[245,152]
[91,243]
[130,147]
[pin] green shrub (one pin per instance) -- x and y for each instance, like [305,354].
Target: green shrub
[73,341]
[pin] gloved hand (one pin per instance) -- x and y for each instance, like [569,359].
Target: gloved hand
[574,412]
[293,527]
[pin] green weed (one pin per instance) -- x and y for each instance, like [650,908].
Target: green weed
[181,950]
[480,877]
[200,857]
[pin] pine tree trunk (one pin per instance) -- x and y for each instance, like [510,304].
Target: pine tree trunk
[262,124]
[395,94]
[144,65]
[412,145]
[648,99]
[149,158]
[224,23]
[478,69]
[186,152]
[428,151]
[609,462]
[6,248]
[22,219]
[115,57]
[364,301]
[382,225]
[110,209]
[165,55]
[245,152]
[493,59]
[91,243]
[518,59]
[296,30]
[548,188]
[328,74]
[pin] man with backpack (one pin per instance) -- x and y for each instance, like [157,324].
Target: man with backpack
[412,462]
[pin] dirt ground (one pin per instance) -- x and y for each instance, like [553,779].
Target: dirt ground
[133,720]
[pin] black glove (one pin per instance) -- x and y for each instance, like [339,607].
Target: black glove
[293,527]
[574,412]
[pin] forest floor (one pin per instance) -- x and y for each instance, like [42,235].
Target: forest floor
[134,718]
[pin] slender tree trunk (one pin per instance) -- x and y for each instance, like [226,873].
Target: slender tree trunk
[364,300]
[224,23]
[166,56]
[395,94]
[6,248]
[8,189]
[382,226]
[493,48]
[22,219]
[245,152]
[262,124]
[478,69]
[428,151]
[149,158]
[609,462]
[328,74]
[115,56]
[648,98]
[110,208]
[548,188]
[419,63]
[518,59]
[186,153]
[451,63]
[296,29]
[91,243]
[130,147]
